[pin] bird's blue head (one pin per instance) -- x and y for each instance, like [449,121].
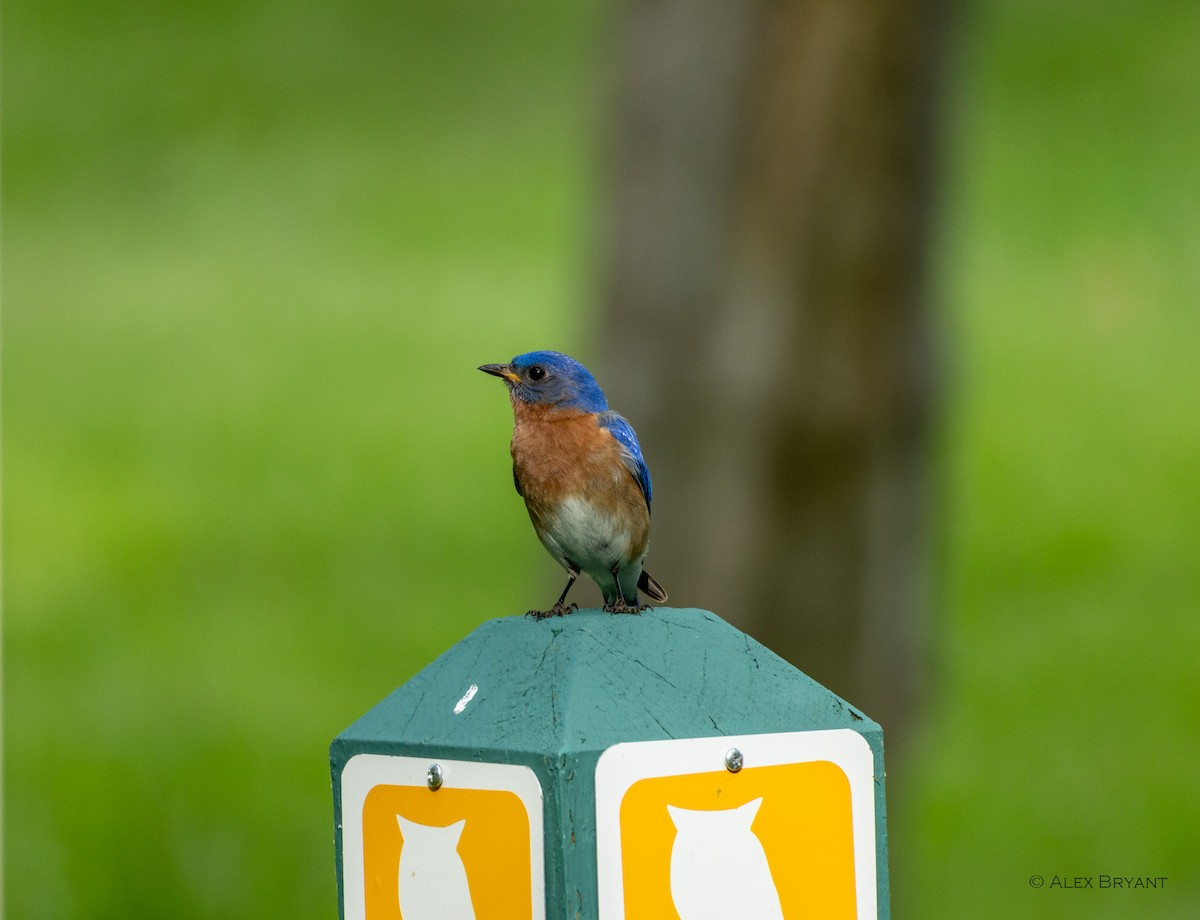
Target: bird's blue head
[550,378]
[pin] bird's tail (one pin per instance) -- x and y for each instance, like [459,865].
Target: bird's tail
[651,588]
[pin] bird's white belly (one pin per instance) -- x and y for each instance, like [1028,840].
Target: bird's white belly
[590,536]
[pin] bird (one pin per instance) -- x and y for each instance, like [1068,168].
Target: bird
[579,468]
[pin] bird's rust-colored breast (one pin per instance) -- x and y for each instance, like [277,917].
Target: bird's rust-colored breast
[560,453]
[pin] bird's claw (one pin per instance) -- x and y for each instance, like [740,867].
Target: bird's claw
[621,607]
[558,610]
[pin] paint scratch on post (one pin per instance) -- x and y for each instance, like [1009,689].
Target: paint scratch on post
[466,698]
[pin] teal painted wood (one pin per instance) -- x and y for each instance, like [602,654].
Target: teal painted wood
[554,694]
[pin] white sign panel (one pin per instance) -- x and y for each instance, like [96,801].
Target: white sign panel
[470,848]
[770,827]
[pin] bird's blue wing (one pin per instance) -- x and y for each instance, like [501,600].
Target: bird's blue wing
[631,451]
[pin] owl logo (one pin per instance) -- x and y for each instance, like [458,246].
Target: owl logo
[719,867]
[433,880]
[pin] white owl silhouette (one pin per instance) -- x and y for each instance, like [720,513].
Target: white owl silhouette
[719,868]
[433,880]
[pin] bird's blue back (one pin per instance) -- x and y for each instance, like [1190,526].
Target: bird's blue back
[631,451]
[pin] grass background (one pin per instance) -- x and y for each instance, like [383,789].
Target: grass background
[252,254]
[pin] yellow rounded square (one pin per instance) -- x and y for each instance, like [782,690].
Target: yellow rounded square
[492,821]
[803,824]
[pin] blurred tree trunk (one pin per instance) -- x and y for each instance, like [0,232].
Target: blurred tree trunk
[766,322]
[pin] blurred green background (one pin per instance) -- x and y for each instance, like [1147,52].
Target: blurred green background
[252,255]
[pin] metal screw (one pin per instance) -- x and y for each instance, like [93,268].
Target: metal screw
[433,777]
[733,760]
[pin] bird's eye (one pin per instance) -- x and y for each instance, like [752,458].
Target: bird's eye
[537,372]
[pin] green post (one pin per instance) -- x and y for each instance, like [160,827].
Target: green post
[606,766]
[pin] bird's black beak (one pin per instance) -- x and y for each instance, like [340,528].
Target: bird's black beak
[504,371]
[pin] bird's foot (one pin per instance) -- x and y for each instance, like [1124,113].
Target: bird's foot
[621,607]
[558,610]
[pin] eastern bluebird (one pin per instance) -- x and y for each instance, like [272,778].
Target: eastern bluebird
[580,470]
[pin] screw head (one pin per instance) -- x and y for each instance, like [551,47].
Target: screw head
[433,777]
[733,760]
